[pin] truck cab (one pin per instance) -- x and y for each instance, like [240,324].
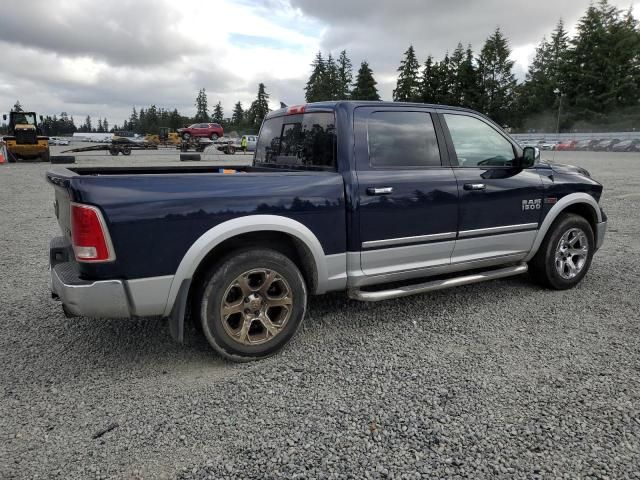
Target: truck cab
[378,199]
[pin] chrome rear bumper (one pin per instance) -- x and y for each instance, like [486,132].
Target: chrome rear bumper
[106,298]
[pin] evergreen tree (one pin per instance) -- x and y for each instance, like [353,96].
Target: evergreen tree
[218,114]
[408,84]
[344,76]
[331,81]
[365,85]
[316,91]
[87,124]
[100,129]
[469,81]
[259,108]
[497,79]
[17,107]
[237,118]
[133,120]
[105,125]
[427,87]
[202,109]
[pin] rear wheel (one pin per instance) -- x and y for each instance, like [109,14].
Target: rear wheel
[126,150]
[565,254]
[114,151]
[214,137]
[251,304]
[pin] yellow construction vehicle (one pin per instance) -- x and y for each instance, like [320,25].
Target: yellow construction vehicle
[164,137]
[25,140]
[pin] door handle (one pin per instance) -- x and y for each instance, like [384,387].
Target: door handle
[475,186]
[379,190]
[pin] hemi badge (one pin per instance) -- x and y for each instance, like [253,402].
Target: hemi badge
[550,200]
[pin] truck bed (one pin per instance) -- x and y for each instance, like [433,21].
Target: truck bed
[154,214]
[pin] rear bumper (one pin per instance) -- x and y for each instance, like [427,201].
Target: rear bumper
[116,298]
[601,230]
[105,298]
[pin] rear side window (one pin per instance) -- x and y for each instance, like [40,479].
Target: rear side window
[402,139]
[307,140]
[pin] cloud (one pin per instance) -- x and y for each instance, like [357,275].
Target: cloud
[131,32]
[102,58]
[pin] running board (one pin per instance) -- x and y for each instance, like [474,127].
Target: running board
[434,285]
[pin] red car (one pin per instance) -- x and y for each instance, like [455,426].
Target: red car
[208,130]
[570,145]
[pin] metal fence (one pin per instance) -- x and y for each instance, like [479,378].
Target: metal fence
[565,137]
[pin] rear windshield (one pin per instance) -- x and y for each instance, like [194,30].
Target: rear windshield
[305,141]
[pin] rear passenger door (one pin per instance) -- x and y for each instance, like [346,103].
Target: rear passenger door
[500,203]
[408,198]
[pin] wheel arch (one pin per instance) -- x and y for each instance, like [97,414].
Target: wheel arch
[281,233]
[579,203]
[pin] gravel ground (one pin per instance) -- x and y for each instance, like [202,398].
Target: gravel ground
[501,379]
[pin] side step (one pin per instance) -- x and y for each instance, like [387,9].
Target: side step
[434,285]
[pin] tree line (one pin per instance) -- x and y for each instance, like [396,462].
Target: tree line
[150,119]
[594,77]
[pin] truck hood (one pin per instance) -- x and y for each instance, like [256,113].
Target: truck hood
[569,169]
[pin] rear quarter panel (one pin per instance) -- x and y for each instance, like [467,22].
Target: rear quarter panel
[154,219]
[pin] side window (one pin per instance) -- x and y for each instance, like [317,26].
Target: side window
[477,143]
[306,141]
[402,139]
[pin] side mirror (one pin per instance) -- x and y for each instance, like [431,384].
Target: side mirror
[529,156]
[4,116]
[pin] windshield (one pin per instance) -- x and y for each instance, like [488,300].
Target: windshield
[22,118]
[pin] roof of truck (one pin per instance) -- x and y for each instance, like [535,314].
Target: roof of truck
[332,105]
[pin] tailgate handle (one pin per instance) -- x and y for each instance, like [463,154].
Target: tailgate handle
[379,190]
[475,186]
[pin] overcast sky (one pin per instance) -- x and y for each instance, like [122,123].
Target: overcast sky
[102,58]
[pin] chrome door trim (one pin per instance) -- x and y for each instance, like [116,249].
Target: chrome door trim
[494,230]
[406,240]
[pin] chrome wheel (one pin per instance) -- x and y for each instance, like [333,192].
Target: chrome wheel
[572,252]
[256,306]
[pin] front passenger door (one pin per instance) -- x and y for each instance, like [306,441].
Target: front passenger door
[500,203]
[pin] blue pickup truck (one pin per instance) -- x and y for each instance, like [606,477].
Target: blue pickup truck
[378,199]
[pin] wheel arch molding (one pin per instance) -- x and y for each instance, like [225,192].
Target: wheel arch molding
[207,242]
[566,204]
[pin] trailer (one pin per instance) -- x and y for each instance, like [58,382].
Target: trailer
[114,149]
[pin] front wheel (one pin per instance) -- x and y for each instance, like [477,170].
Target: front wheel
[186,136]
[251,304]
[565,254]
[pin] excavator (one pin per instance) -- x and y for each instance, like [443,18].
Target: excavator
[25,140]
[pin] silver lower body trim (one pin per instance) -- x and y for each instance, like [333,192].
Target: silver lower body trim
[435,285]
[405,240]
[495,230]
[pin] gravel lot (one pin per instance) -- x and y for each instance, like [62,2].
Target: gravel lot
[501,379]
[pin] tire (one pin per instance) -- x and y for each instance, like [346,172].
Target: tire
[186,136]
[230,150]
[243,335]
[187,157]
[550,267]
[126,150]
[62,159]
[114,151]
[45,156]
[214,137]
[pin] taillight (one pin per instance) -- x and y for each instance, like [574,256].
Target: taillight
[89,236]
[296,109]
